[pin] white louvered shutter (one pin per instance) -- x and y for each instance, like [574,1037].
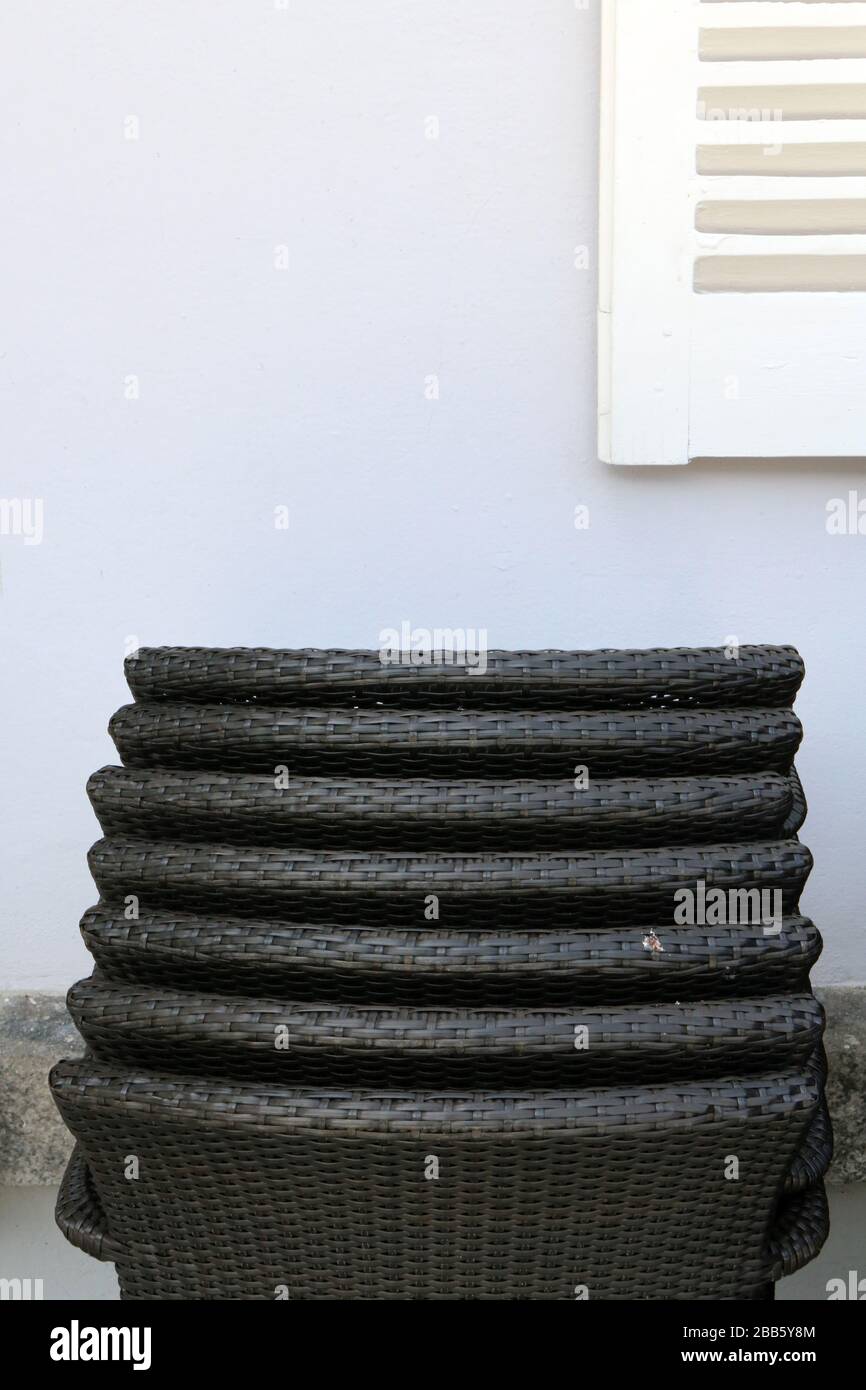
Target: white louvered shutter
[733,230]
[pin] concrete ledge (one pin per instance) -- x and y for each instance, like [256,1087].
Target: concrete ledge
[35,1031]
[845,1041]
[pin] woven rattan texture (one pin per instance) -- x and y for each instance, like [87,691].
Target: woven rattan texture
[446,817]
[313,1044]
[815,1154]
[456,743]
[538,680]
[432,964]
[593,887]
[247,1191]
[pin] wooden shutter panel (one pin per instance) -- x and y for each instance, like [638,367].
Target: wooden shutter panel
[732,302]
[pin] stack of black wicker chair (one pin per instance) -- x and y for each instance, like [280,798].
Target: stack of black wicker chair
[432,982]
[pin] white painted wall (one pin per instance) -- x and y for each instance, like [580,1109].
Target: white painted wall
[305,127]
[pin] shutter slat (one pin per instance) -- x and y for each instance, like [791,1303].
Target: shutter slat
[782,42]
[814,159]
[775,274]
[782,216]
[819,101]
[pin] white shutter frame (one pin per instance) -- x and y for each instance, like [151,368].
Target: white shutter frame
[747,338]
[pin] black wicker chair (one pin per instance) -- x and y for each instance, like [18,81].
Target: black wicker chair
[367,1045]
[441,816]
[536,680]
[441,966]
[389,742]
[259,1192]
[592,887]
[393,1002]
